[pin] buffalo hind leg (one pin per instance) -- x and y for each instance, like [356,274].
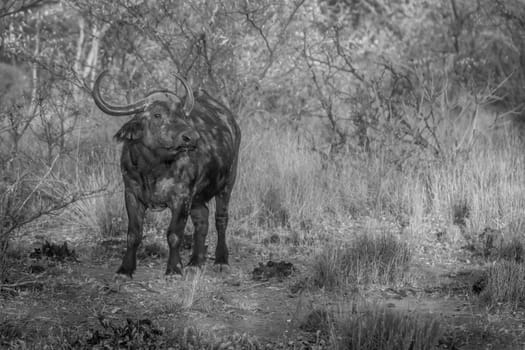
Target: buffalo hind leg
[135,210]
[222,201]
[199,216]
[175,237]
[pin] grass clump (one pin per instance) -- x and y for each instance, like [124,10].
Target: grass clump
[512,251]
[383,329]
[134,334]
[505,285]
[370,327]
[382,259]
[9,332]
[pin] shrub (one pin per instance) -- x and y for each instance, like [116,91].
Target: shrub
[27,193]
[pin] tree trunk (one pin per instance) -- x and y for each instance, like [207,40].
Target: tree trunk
[92,58]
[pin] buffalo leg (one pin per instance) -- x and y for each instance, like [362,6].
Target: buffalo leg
[135,210]
[199,217]
[175,238]
[222,201]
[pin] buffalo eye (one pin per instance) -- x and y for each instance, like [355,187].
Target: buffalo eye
[157,115]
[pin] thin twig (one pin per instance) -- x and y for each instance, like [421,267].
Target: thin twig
[37,186]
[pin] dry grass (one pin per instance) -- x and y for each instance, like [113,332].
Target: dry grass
[505,285]
[482,189]
[382,259]
[283,184]
[103,215]
[382,329]
[285,187]
[369,326]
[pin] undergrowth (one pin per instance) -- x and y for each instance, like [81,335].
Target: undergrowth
[382,329]
[368,259]
[504,285]
[283,184]
[370,327]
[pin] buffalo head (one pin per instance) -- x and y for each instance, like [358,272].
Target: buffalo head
[160,120]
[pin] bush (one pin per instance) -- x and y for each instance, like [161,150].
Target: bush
[27,193]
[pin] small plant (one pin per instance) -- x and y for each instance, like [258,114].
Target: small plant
[9,332]
[195,287]
[505,285]
[55,252]
[274,213]
[382,260]
[317,321]
[376,328]
[280,270]
[134,334]
[460,213]
[512,251]
[192,338]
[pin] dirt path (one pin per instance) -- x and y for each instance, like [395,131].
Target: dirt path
[76,296]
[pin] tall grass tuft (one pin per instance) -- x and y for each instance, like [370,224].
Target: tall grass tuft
[484,188]
[381,259]
[505,285]
[104,214]
[280,183]
[382,329]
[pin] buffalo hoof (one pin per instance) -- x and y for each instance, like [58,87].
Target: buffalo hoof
[173,278]
[174,270]
[221,260]
[221,268]
[196,261]
[121,278]
[192,272]
[124,271]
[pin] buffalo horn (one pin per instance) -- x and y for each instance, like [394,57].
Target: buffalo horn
[114,110]
[189,101]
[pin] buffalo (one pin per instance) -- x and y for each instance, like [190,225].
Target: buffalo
[177,153]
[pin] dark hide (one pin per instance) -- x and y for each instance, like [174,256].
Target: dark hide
[179,163]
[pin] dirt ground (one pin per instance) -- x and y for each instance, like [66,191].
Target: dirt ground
[57,299]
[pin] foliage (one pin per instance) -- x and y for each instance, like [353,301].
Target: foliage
[133,334]
[370,75]
[27,194]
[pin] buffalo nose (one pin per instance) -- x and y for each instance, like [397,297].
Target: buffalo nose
[189,138]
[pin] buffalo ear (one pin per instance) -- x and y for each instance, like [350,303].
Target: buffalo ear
[131,131]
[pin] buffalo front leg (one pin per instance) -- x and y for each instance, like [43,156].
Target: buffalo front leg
[135,210]
[199,216]
[222,201]
[179,216]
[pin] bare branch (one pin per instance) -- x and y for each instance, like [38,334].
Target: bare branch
[12,7]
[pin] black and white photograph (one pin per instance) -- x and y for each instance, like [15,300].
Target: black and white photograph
[262,174]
